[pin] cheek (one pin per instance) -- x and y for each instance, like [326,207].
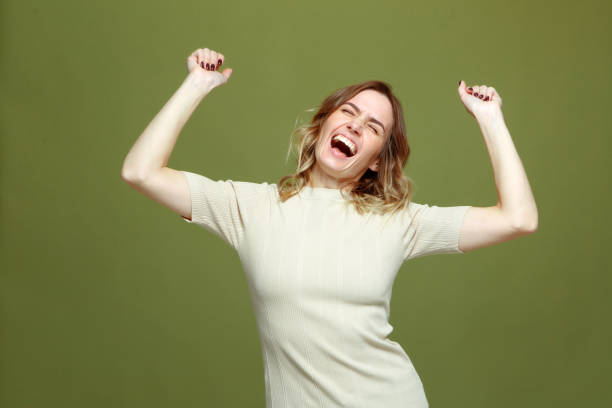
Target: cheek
[374,149]
[319,149]
[320,144]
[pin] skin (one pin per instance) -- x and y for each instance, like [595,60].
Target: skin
[331,171]
[515,213]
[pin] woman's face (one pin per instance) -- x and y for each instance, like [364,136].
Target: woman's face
[351,139]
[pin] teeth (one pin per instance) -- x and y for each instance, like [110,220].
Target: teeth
[347,142]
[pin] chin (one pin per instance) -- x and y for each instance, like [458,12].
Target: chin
[333,166]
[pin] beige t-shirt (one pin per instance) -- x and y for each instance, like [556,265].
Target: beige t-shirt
[320,278]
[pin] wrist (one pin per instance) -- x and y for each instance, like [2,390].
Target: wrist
[490,117]
[491,123]
[197,84]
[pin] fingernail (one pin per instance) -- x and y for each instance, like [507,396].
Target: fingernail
[202,64]
[481,96]
[486,99]
[219,62]
[475,93]
[470,89]
[459,82]
[207,65]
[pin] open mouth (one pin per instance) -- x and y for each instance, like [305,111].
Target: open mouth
[341,145]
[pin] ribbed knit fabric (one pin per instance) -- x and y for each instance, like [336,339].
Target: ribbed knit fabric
[320,278]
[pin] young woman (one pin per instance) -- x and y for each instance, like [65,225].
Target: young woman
[321,248]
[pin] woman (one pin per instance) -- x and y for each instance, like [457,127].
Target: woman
[321,248]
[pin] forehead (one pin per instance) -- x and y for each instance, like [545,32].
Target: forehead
[375,104]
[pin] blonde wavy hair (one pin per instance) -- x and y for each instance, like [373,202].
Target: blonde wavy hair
[386,191]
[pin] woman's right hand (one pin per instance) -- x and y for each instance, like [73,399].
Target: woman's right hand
[204,65]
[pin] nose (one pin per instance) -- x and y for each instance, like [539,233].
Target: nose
[355,125]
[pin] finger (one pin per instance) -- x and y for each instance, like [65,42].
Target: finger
[213,60]
[483,91]
[470,90]
[191,60]
[206,61]
[200,59]
[193,56]
[494,93]
[462,88]
[227,72]
[220,59]
[210,61]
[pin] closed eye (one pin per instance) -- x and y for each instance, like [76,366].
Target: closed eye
[351,113]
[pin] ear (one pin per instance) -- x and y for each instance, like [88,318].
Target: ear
[374,166]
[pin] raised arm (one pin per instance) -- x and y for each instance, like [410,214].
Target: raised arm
[516,213]
[145,166]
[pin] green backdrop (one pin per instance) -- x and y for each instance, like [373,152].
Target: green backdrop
[109,299]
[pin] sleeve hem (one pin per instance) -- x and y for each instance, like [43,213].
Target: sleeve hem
[197,200]
[460,227]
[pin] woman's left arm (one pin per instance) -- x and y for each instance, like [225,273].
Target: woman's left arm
[516,213]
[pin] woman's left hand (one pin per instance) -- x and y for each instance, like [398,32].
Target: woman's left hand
[480,100]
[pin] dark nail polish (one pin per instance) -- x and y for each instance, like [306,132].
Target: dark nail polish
[470,89]
[481,96]
[207,65]
[219,62]
[486,99]
[459,82]
[202,64]
[475,93]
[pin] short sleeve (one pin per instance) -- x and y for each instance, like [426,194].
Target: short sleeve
[432,230]
[222,206]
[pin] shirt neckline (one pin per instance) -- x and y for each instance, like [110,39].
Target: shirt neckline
[321,192]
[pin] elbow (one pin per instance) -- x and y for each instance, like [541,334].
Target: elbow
[531,228]
[526,226]
[128,176]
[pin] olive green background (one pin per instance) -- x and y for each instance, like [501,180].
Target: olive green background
[109,299]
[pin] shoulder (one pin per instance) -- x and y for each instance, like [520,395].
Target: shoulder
[231,189]
[251,188]
[415,215]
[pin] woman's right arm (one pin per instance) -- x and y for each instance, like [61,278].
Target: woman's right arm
[145,166]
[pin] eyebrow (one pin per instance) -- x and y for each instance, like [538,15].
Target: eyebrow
[373,119]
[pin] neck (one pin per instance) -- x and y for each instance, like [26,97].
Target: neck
[319,179]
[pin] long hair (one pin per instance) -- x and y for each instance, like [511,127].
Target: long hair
[386,190]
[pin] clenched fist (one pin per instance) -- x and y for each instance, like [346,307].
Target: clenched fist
[205,64]
[480,100]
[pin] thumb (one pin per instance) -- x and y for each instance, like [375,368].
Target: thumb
[227,73]
[462,88]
